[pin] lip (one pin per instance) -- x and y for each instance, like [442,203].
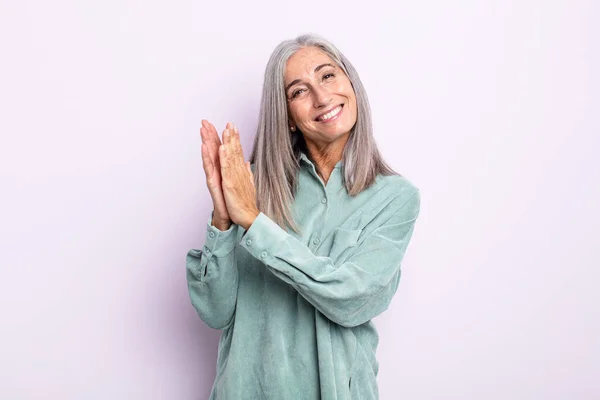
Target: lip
[331,109]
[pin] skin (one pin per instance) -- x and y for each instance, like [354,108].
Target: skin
[313,90]
[229,178]
[237,180]
[212,169]
[316,92]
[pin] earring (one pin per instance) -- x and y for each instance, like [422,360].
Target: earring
[293,128]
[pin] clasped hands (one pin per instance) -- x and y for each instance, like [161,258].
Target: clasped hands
[229,178]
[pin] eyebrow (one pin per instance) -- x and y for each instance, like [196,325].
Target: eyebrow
[295,81]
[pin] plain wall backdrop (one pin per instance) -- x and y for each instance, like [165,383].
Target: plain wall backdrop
[490,108]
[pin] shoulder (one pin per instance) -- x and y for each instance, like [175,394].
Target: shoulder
[405,194]
[400,186]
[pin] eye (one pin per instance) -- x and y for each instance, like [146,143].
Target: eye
[296,93]
[331,74]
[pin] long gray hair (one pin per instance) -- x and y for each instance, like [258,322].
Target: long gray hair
[276,149]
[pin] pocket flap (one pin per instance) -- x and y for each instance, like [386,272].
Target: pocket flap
[343,239]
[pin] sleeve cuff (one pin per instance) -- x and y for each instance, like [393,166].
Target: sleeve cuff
[219,243]
[262,237]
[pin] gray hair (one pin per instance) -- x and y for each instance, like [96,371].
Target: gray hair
[276,149]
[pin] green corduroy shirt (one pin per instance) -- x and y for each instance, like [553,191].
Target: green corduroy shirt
[295,310]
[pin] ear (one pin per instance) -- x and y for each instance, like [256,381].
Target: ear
[291,124]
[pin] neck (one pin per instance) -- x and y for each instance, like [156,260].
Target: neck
[326,156]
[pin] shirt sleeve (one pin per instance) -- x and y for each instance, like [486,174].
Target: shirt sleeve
[353,291]
[212,276]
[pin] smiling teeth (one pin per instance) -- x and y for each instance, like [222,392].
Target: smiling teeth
[331,114]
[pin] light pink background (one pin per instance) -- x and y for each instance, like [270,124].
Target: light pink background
[491,108]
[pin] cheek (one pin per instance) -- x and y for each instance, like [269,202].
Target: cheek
[293,113]
[353,114]
[301,114]
[354,103]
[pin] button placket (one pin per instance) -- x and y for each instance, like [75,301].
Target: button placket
[210,243]
[316,239]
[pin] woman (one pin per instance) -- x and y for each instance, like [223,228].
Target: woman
[305,240]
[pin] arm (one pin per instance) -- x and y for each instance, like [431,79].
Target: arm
[354,291]
[212,276]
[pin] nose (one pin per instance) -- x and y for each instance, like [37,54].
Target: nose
[321,97]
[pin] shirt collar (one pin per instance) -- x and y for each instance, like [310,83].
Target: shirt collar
[304,157]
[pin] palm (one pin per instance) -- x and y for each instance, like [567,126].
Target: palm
[212,168]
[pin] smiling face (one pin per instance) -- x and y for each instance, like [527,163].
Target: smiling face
[321,100]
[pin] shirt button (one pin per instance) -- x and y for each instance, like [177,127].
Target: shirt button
[316,241]
[211,234]
[248,242]
[263,254]
[323,200]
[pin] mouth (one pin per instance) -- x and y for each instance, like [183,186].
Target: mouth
[330,115]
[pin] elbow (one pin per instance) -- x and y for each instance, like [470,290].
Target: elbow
[349,314]
[216,322]
[217,313]
[356,317]
[359,317]
[350,322]
[211,314]
[347,318]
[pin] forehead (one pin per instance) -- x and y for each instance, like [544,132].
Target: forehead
[304,61]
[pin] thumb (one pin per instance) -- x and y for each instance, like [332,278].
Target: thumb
[250,170]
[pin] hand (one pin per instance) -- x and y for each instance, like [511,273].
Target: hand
[237,180]
[212,168]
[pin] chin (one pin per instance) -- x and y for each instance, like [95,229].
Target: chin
[333,135]
[338,130]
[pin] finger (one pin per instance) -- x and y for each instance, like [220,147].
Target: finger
[210,145]
[213,135]
[229,129]
[210,127]
[250,171]
[207,163]
[232,140]
[223,157]
[237,144]
[237,141]
[210,133]
[226,136]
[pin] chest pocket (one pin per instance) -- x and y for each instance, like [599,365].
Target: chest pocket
[343,241]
